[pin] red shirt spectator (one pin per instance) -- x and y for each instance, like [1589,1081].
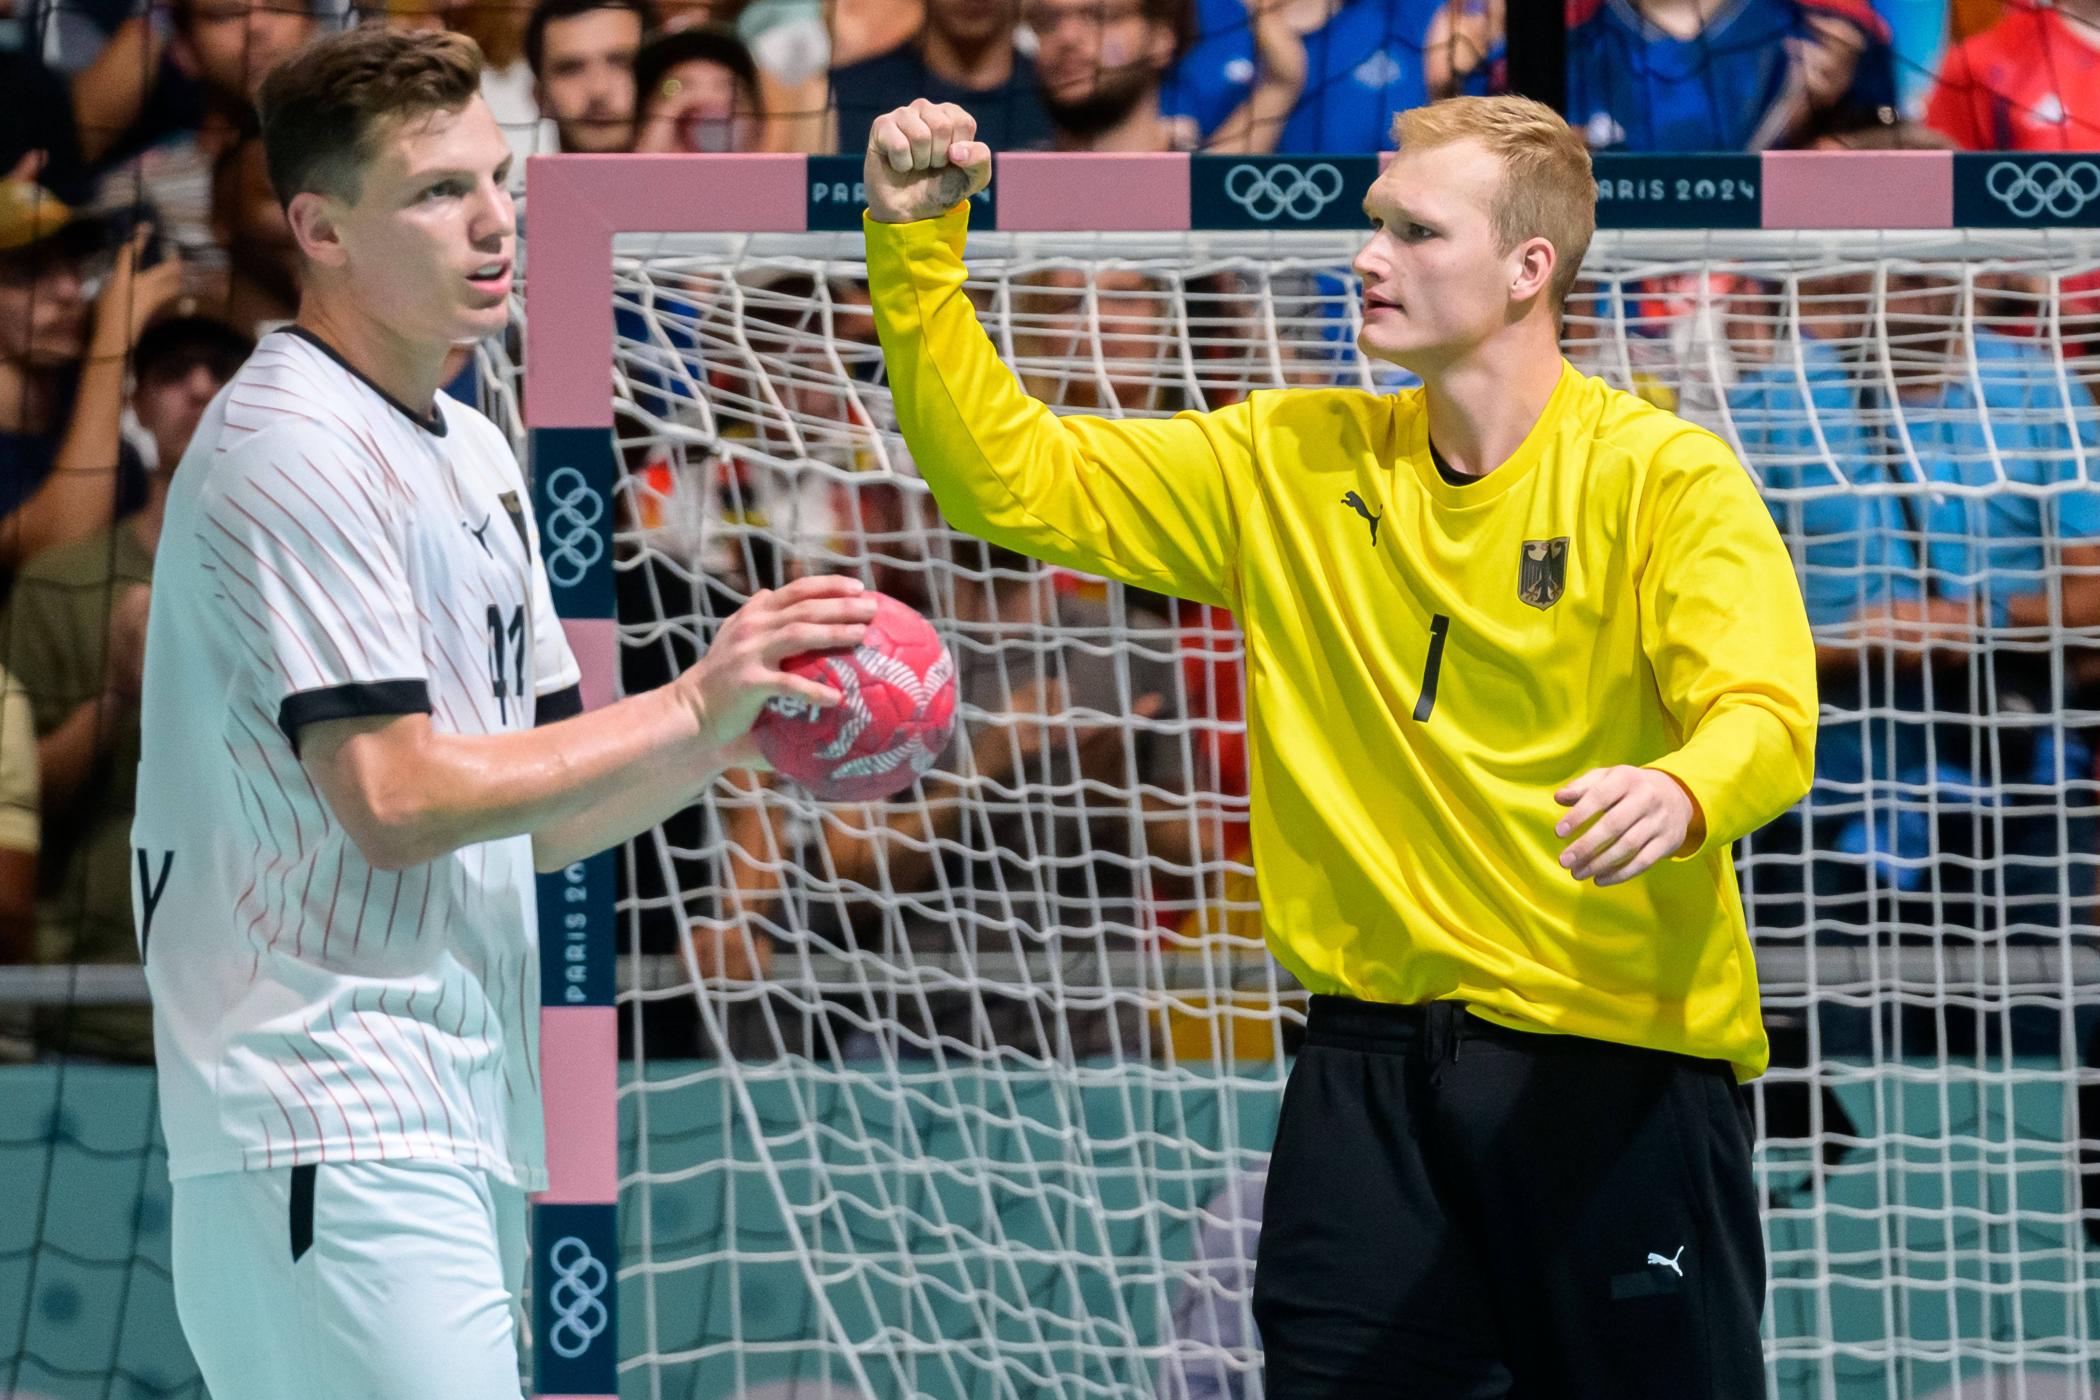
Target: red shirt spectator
[2031,82]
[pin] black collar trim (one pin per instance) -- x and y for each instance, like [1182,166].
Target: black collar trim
[434,424]
[1444,469]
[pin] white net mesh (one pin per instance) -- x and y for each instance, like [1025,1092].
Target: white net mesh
[969,1095]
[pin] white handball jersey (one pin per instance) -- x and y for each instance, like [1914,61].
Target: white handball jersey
[327,554]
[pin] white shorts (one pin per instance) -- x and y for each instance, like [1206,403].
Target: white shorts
[351,1281]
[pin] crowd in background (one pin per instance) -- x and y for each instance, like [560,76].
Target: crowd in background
[142,253]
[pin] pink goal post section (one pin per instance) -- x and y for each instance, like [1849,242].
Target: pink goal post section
[578,204]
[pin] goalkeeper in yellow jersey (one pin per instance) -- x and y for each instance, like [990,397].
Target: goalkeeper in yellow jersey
[1525,656]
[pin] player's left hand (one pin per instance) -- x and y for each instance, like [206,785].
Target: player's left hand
[1640,816]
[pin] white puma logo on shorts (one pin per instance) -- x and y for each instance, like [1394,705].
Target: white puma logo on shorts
[1671,1262]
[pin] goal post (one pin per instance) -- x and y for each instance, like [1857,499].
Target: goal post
[979,1081]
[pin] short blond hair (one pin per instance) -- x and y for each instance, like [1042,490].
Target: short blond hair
[1547,189]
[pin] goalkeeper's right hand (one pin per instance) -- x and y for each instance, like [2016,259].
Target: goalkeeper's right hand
[923,160]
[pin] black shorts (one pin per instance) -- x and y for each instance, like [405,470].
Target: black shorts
[1459,1210]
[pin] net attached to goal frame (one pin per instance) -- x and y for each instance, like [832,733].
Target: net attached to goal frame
[970,1094]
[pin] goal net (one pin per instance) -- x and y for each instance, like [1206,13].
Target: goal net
[969,1094]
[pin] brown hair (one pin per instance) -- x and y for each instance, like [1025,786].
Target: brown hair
[1547,189]
[325,108]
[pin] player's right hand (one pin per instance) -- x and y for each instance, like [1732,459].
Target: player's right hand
[923,160]
[730,685]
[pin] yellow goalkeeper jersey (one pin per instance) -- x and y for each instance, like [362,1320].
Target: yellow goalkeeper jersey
[1427,663]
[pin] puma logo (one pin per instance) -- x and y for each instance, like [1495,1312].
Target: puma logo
[480,534]
[1356,503]
[1670,1263]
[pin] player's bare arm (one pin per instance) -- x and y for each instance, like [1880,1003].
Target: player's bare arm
[923,160]
[408,793]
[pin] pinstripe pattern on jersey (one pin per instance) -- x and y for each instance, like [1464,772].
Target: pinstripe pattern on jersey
[321,561]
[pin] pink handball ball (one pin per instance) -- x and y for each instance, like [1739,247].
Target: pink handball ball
[898,714]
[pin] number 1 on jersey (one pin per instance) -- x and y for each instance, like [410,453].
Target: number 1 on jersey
[1438,626]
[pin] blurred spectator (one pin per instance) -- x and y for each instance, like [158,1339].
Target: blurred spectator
[582,57]
[1795,408]
[1463,49]
[261,287]
[412,14]
[1238,82]
[75,634]
[19,824]
[1211,1317]
[62,367]
[1677,75]
[791,46]
[37,141]
[1061,321]
[727,501]
[2031,82]
[1912,592]
[498,26]
[2009,301]
[1846,128]
[963,53]
[150,83]
[861,29]
[1100,65]
[1217,73]
[1363,62]
[65,34]
[1054,710]
[697,90]
[169,104]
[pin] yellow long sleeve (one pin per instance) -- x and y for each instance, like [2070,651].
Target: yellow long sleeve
[1151,502]
[1727,635]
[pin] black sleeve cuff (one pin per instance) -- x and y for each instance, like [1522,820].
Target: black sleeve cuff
[557,705]
[402,697]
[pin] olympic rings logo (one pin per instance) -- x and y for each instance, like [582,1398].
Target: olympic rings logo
[2043,186]
[573,544]
[580,1315]
[1269,194]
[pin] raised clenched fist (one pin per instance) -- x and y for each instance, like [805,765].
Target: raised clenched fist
[923,160]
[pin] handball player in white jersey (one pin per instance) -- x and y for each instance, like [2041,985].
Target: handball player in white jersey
[362,736]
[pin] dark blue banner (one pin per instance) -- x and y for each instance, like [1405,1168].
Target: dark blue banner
[1280,191]
[1679,191]
[1633,191]
[573,472]
[575,1257]
[837,195]
[2026,191]
[576,933]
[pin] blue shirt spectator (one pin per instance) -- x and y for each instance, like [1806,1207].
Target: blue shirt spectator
[1636,83]
[1361,68]
[947,61]
[1217,73]
[2008,425]
[1801,432]
[2012,427]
